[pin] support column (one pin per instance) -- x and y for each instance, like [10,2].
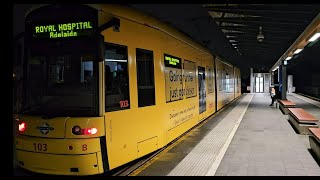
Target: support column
[284,82]
[251,80]
[290,83]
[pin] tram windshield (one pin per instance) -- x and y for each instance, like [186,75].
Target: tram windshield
[61,85]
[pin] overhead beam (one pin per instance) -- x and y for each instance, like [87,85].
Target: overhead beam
[232,31]
[253,36]
[222,16]
[258,21]
[264,42]
[267,38]
[269,52]
[255,29]
[257,25]
[257,45]
[291,19]
[259,52]
[261,9]
[235,24]
[264,55]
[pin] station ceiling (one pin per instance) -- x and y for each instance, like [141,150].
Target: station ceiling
[231,30]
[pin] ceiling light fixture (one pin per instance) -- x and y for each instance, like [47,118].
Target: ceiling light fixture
[260,36]
[288,58]
[275,68]
[299,49]
[315,35]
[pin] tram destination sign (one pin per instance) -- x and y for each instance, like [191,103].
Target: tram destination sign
[63,30]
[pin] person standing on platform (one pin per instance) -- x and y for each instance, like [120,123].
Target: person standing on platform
[275,94]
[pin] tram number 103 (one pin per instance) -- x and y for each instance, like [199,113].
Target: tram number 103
[124,104]
[40,147]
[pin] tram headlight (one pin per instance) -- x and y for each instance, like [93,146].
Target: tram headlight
[22,127]
[91,131]
[76,130]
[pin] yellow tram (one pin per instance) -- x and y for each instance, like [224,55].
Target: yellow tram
[106,85]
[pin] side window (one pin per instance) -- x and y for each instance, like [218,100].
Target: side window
[189,74]
[116,78]
[220,81]
[227,84]
[210,80]
[223,80]
[238,84]
[145,78]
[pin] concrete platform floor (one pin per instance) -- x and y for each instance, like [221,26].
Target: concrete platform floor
[264,144]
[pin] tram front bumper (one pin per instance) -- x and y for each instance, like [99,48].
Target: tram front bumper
[59,156]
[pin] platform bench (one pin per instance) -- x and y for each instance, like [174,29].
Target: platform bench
[314,140]
[284,105]
[302,120]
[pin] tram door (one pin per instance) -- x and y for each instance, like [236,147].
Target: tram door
[202,89]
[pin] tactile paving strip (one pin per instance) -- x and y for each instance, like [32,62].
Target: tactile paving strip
[199,161]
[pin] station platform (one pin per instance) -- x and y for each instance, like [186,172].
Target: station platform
[247,138]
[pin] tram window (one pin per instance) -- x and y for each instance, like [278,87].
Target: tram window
[56,83]
[116,78]
[189,74]
[223,81]
[227,84]
[210,79]
[145,78]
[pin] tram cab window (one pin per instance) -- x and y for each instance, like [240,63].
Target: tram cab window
[116,78]
[62,84]
[145,78]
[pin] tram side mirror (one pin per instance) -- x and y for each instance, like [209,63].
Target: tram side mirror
[116,24]
[116,28]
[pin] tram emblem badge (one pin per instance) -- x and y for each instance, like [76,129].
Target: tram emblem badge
[45,128]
